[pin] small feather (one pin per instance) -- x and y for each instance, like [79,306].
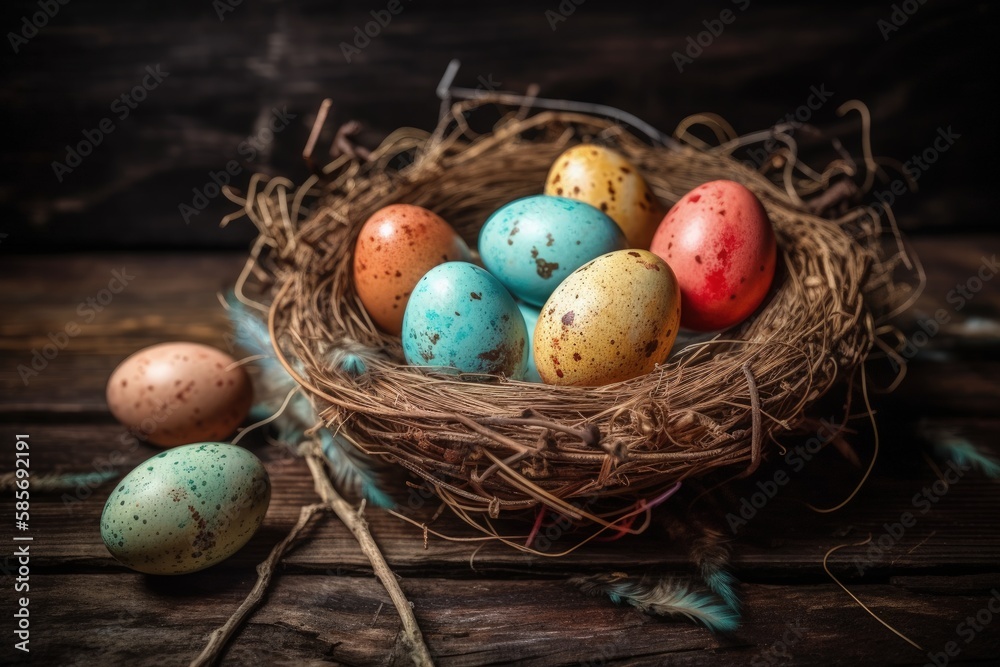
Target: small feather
[351,468]
[723,584]
[60,482]
[710,552]
[249,330]
[663,597]
[966,455]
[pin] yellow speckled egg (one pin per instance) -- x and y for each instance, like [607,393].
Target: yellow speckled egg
[177,393]
[612,319]
[604,179]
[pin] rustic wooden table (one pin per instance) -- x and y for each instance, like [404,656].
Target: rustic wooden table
[502,607]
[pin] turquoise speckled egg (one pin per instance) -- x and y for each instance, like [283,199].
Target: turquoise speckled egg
[186,509]
[461,317]
[532,244]
[530,315]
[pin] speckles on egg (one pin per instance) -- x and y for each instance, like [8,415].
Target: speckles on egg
[603,178]
[460,317]
[395,247]
[719,240]
[613,319]
[186,509]
[177,393]
[533,243]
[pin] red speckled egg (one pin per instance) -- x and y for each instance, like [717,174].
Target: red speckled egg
[720,243]
[395,248]
[178,393]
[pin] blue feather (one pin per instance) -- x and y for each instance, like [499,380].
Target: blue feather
[723,584]
[664,597]
[967,455]
[352,468]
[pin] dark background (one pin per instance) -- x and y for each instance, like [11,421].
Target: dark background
[225,76]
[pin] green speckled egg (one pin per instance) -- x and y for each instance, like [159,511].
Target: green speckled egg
[186,509]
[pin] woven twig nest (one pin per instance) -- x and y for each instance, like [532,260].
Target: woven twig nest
[491,444]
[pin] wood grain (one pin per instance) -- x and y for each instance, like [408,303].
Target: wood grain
[226,76]
[344,620]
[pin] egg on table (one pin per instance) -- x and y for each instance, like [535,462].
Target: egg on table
[719,241]
[613,319]
[531,244]
[396,246]
[186,509]
[460,317]
[176,393]
[603,178]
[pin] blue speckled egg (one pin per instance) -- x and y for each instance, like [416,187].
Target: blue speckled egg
[186,509]
[533,243]
[461,317]
[530,315]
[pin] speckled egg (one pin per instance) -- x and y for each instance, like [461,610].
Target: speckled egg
[720,242]
[603,178]
[530,315]
[186,509]
[613,319]
[176,393]
[532,244]
[396,246]
[460,317]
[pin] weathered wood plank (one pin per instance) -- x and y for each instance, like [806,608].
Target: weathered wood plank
[226,76]
[954,528]
[315,619]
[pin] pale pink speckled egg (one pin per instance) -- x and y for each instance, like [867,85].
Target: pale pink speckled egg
[397,245]
[178,393]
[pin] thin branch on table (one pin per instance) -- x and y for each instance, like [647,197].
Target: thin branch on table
[221,636]
[352,517]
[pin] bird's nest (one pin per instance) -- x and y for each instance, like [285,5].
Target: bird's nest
[488,444]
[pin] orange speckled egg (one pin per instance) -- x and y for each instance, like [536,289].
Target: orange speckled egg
[612,319]
[178,393]
[397,245]
[720,242]
[604,179]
